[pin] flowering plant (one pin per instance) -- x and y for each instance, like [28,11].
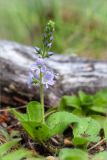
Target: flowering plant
[36,124]
[34,120]
[39,73]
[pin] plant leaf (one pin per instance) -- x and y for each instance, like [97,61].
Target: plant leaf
[73,154]
[59,121]
[19,116]
[34,111]
[100,102]
[100,156]
[80,141]
[78,112]
[36,130]
[17,155]
[36,158]
[69,102]
[87,129]
[105,129]
[99,108]
[86,99]
[99,118]
[7,146]
[9,153]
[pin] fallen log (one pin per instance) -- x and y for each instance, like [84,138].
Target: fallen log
[73,74]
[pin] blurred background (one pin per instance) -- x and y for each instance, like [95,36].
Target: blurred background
[81,25]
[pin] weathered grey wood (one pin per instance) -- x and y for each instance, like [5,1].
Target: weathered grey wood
[73,73]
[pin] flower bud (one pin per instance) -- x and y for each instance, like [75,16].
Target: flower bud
[48,35]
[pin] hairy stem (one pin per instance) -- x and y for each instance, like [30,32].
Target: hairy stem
[42,97]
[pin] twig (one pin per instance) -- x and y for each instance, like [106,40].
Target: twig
[8,109]
[31,146]
[49,149]
[2,139]
[11,126]
[50,112]
[47,114]
[99,143]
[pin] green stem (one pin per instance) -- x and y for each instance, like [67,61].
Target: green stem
[42,97]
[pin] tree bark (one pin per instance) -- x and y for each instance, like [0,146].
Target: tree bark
[72,74]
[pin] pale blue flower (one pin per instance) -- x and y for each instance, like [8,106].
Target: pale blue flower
[48,78]
[34,74]
[38,64]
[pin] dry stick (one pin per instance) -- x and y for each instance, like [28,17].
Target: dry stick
[8,109]
[48,113]
[13,125]
[2,139]
[94,146]
[48,148]
[31,146]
